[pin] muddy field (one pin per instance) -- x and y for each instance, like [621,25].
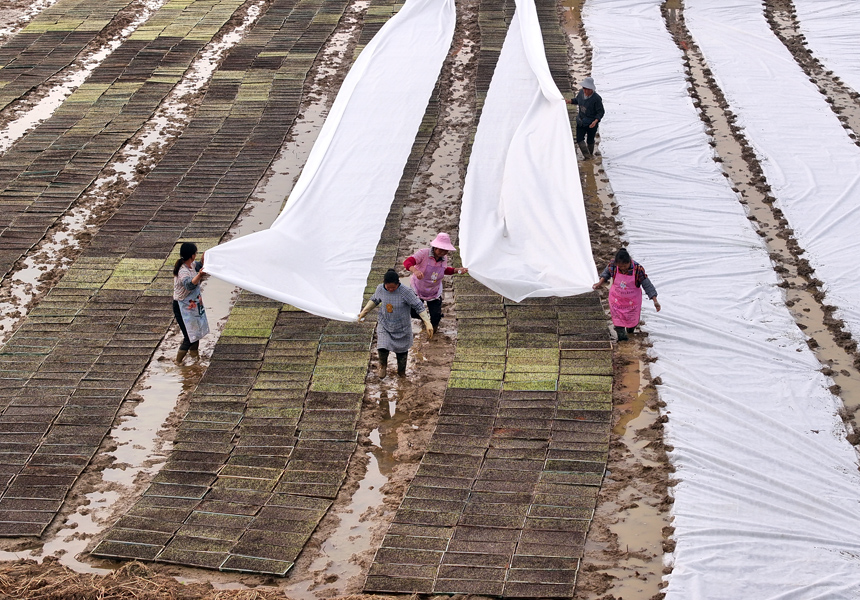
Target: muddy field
[629,544]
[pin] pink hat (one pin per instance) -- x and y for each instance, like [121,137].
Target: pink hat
[443,242]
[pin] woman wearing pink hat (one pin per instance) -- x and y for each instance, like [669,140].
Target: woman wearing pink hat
[428,266]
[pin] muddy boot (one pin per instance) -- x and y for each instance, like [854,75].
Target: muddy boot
[621,332]
[383,363]
[180,356]
[401,364]
[591,149]
[584,149]
[194,350]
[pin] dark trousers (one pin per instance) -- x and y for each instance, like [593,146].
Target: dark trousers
[401,359]
[435,308]
[586,131]
[186,342]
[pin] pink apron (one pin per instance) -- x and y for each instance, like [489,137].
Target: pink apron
[625,300]
[430,287]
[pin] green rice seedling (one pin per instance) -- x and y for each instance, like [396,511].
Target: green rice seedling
[597,383]
[531,369]
[333,386]
[538,385]
[497,375]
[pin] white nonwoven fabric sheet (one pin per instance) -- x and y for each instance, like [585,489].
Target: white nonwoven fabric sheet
[318,253]
[523,231]
[768,495]
[808,159]
[832,30]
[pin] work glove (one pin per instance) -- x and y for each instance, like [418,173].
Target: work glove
[367,308]
[425,316]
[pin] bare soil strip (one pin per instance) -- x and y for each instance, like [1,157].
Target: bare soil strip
[112,308]
[844,101]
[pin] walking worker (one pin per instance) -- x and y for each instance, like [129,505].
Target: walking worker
[187,303]
[589,116]
[625,293]
[394,326]
[428,266]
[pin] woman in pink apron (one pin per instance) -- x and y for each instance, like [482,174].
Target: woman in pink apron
[625,293]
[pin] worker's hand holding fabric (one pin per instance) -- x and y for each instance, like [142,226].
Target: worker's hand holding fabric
[367,308]
[425,316]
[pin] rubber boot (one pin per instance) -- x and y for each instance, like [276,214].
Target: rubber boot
[621,332]
[591,149]
[383,363]
[180,356]
[401,364]
[584,149]
[194,350]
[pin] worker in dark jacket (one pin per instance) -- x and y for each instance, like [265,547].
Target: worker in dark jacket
[589,116]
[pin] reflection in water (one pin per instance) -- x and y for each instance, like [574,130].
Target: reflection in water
[572,15]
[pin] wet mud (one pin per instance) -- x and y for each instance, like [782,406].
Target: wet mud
[15,14]
[399,415]
[631,531]
[39,103]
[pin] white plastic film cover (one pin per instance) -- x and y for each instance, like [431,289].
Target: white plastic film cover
[807,157]
[832,30]
[768,495]
[523,231]
[318,253]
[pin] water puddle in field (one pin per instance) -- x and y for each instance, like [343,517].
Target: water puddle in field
[626,542]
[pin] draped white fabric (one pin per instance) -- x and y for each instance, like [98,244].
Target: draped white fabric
[317,255]
[523,231]
[808,158]
[768,495]
[832,30]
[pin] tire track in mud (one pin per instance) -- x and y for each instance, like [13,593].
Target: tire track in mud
[114,307]
[828,338]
